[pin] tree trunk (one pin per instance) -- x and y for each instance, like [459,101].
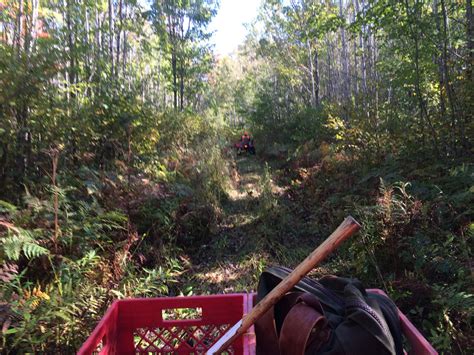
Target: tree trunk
[363,59]
[470,40]
[19,28]
[32,33]
[175,78]
[314,100]
[119,32]
[89,43]
[375,77]
[444,72]
[111,35]
[469,110]
[356,65]
[330,72]
[124,46]
[71,44]
[23,141]
[316,76]
[346,84]
[174,60]
[424,117]
[449,88]
[441,72]
[181,85]
[97,33]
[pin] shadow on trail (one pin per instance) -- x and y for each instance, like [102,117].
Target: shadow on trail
[250,236]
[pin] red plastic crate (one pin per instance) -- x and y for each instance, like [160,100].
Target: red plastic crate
[140,326]
[137,326]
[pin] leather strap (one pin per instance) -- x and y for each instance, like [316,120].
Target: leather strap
[305,326]
[267,337]
[302,322]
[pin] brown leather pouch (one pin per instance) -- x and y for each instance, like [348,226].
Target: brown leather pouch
[301,324]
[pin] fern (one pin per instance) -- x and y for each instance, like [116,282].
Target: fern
[7,207]
[33,250]
[113,220]
[12,247]
[18,240]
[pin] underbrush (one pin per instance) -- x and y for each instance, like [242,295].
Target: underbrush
[76,242]
[416,237]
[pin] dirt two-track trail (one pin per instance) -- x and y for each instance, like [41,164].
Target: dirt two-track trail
[231,260]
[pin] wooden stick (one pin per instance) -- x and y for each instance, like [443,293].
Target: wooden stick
[347,228]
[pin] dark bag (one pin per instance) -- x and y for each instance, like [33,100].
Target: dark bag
[332,315]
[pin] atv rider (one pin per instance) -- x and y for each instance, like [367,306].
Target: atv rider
[245,139]
[246,143]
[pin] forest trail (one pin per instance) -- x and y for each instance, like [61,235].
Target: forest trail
[118,178]
[232,260]
[246,192]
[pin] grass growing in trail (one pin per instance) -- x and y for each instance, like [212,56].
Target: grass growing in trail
[258,228]
[226,264]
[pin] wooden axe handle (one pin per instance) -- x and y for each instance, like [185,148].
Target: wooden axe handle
[347,228]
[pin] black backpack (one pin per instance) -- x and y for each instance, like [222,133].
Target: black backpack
[332,315]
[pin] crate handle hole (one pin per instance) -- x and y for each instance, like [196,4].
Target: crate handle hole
[181,313]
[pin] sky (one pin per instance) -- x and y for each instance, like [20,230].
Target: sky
[229,22]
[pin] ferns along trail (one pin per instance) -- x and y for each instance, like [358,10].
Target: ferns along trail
[119,174]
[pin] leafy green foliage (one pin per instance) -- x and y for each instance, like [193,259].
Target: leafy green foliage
[411,244]
[7,207]
[267,198]
[19,240]
[115,164]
